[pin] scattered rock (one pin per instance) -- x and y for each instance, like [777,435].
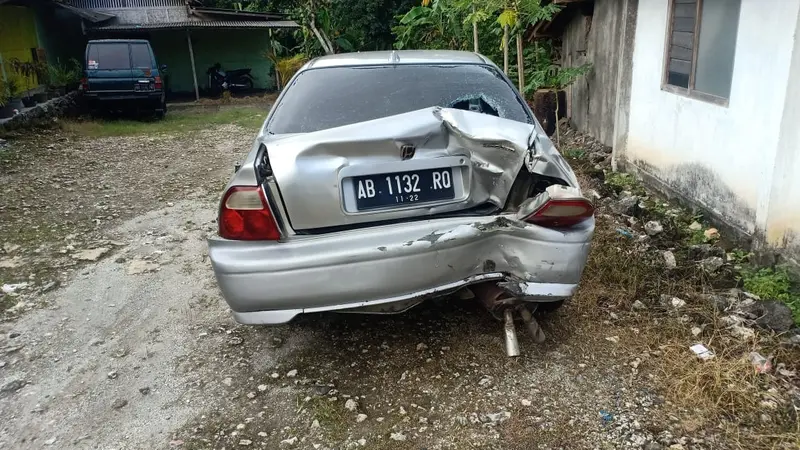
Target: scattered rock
[711,234]
[525,402]
[638,305]
[351,405]
[421,347]
[497,418]
[119,403]
[289,442]
[669,260]
[399,436]
[772,315]
[12,387]
[292,373]
[712,264]
[702,251]
[140,266]
[11,263]
[113,375]
[235,340]
[318,389]
[315,424]
[91,254]
[50,441]
[696,226]
[144,390]
[227,381]
[245,442]
[361,417]
[626,205]
[653,228]
[672,302]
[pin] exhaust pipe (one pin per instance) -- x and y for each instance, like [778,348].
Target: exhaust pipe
[532,325]
[512,345]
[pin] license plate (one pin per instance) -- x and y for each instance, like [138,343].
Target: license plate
[403,188]
[140,87]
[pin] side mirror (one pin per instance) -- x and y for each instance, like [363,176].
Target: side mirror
[163,68]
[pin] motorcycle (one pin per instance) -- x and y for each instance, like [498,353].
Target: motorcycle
[228,80]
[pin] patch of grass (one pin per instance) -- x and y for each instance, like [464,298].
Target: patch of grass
[775,284]
[621,181]
[329,414]
[182,121]
[574,153]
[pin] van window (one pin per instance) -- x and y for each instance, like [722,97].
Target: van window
[140,56]
[109,56]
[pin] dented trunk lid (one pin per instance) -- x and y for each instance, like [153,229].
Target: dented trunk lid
[425,162]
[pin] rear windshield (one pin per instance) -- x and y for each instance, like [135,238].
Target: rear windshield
[109,56]
[336,96]
[140,55]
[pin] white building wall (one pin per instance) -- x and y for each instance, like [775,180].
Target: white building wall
[721,157]
[783,216]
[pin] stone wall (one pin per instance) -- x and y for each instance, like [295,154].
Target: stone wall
[43,114]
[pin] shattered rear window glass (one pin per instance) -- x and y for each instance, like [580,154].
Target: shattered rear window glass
[336,96]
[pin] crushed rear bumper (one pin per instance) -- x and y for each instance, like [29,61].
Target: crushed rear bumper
[393,267]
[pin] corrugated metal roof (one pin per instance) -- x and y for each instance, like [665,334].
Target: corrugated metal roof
[201,24]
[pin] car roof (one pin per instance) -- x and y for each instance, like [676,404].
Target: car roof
[397,57]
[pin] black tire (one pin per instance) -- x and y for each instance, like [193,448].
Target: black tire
[161,111]
[249,84]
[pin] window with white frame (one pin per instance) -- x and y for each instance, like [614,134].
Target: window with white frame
[701,46]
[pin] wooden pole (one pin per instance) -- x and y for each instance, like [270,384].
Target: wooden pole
[505,50]
[520,65]
[474,32]
[194,70]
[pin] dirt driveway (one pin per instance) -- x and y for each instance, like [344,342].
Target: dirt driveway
[120,338]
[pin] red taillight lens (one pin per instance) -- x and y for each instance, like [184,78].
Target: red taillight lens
[158,83]
[244,216]
[557,207]
[84,84]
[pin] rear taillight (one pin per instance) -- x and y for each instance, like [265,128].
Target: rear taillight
[557,207]
[244,216]
[158,83]
[84,84]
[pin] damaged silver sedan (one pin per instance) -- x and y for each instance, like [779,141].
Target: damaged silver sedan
[382,179]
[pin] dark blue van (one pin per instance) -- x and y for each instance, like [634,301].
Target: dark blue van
[123,74]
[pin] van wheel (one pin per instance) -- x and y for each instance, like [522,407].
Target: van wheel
[161,112]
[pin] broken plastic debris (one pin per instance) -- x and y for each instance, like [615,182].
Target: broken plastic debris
[702,352]
[10,288]
[625,233]
[760,363]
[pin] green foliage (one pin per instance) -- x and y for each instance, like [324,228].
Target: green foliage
[772,284]
[574,153]
[25,69]
[621,181]
[60,75]
[542,71]
[4,95]
[12,88]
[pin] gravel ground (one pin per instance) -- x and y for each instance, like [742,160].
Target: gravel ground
[132,346]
